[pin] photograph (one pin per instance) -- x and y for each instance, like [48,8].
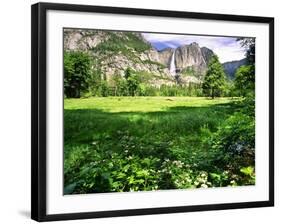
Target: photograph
[157,111]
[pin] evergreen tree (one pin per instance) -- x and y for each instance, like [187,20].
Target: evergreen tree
[214,81]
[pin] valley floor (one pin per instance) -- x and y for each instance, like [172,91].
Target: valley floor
[115,144]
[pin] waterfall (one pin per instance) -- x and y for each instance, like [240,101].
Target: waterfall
[173,65]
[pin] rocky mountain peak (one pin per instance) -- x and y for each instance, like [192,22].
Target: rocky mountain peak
[195,44]
[189,55]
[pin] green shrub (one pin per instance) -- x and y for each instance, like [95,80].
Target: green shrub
[234,148]
[236,134]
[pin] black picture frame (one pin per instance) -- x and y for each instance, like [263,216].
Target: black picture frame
[39,122]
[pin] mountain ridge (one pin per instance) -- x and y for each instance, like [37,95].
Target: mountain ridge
[115,51]
[231,67]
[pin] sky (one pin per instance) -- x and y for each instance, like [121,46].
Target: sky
[227,48]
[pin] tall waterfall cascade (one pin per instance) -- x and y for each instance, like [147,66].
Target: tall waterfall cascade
[173,65]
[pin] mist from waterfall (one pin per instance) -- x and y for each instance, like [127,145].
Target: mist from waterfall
[173,65]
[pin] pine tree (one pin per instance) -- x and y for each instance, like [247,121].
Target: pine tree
[214,81]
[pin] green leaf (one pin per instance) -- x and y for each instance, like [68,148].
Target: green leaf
[131,179]
[142,173]
[247,170]
[215,176]
[126,168]
[121,175]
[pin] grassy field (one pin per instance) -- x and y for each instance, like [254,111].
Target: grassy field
[141,143]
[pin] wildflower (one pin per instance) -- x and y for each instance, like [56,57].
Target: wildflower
[204,186]
[196,182]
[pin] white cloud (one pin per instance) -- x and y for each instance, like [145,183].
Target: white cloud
[227,48]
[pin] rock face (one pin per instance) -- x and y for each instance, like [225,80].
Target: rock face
[187,56]
[191,61]
[207,54]
[231,67]
[192,56]
[82,39]
[165,56]
[114,52]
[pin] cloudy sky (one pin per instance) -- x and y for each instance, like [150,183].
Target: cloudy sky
[227,48]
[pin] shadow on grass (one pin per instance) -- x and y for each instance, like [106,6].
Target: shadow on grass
[81,125]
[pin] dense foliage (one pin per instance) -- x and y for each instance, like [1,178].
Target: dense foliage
[234,147]
[234,141]
[149,143]
[77,68]
[245,75]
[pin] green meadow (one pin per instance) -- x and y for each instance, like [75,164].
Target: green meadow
[116,144]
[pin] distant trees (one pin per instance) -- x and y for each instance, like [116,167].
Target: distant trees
[214,81]
[83,77]
[119,85]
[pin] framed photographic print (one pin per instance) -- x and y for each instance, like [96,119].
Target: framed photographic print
[139,111]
